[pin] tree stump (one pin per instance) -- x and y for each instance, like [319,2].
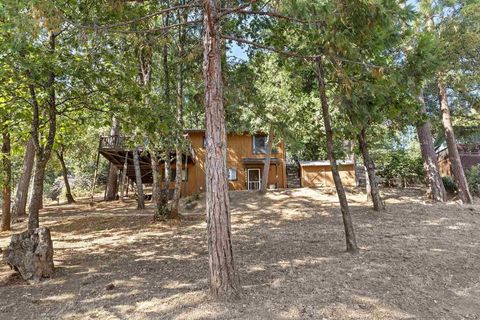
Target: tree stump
[31,254]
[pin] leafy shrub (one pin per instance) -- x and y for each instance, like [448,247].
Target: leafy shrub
[398,168]
[473,178]
[449,184]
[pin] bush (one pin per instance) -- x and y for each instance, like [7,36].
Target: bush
[473,179]
[398,168]
[449,185]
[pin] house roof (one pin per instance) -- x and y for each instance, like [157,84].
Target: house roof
[228,132]
[323,163]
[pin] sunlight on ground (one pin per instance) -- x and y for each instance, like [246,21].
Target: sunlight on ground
[418,260]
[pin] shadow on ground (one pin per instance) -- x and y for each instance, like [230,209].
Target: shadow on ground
[418,261]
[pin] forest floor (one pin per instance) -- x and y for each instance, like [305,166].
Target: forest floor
[417,261]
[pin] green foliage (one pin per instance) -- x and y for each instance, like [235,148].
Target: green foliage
[449,184]
[473,179]
[377,54]
[397,155]
[398,168]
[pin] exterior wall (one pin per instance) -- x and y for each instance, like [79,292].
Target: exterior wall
[239,146]
[444,167]
[469,158]
[321,175]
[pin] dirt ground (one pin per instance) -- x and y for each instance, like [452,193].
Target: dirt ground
[417,261]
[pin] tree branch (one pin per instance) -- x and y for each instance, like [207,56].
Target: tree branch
[228,11]
[265,47]
[276,15]
[164,28]
[133,21]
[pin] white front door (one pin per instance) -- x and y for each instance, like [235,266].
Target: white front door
[253,179]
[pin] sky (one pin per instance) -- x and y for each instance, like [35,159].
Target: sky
[237,52]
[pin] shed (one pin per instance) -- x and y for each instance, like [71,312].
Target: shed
[319,173]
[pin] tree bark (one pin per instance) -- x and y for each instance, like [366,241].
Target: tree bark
[37,195]
[178,180]
[6,181]
[180,102]
[266,164]
[370,169]
[224,282]
[453,155]
[347,219]
[138,179]
[68,191]
[42,152]
[368,188]
[112,179]
[157,192]
[168,177]
[21,196]
[424,133]
[124,178]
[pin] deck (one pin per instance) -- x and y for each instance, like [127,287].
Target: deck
[117,149]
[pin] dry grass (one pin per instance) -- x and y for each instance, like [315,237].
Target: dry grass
[417,261]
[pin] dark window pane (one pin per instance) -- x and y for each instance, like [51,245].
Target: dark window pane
[259,144]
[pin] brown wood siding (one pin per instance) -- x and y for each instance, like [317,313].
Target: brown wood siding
[321,176]
[239,146]
[468,161]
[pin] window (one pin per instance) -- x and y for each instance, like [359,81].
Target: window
[259,144]
[232,174]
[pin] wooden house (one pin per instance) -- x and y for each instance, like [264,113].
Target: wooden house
[245,160]
[469,156]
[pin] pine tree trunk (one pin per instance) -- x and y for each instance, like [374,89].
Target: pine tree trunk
[112,178]
[168,177]
[453,155]
[224,282]
[424,133]
[368,188]
[178,150]
[42,153]
[178,182]
[157,183]
[138,178]
[347,219]
[124,178]
[157,192]
[6,179]
[37,194]
[21,196]
[266,165]
[372,177]
[68,191]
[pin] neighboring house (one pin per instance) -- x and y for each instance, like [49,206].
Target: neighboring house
[245,160]
[469,156]
[319,174]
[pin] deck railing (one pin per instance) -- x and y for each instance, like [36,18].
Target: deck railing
[121,142]
[112,142]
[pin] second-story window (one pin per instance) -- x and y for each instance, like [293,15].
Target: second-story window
[260,144]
